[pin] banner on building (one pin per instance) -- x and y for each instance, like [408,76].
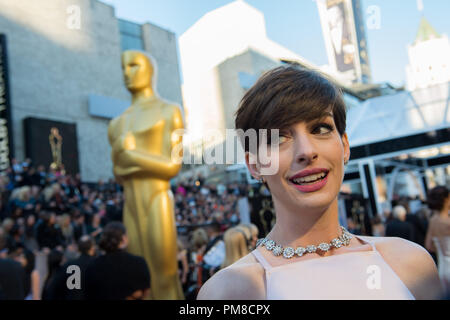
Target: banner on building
[343,30]
[53,144]
[6,143]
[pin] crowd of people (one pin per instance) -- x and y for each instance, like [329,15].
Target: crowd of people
[56,219]
[422,222]
[45,214]
[197,203]
[51,216]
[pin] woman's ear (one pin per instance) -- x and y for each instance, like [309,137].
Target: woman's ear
[252,164]
[346,147]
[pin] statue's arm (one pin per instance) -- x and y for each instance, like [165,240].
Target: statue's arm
[116,144]
[158,166]
[118,171]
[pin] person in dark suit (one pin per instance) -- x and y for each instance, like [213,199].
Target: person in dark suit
[419,221]
[12,274]
[52,289]
[86,246]
[79,227]
[47,234]
[117,275]
[398,226]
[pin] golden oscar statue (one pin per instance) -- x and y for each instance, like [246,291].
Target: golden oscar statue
[55,144]
[142,140]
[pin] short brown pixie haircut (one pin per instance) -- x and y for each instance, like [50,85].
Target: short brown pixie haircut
[288,95]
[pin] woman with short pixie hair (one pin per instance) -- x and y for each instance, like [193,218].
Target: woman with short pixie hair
[307,254]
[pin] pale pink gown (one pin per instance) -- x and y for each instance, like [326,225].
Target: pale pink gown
[362,275]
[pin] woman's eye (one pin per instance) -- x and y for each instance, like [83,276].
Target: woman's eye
[281,139]
[323,128]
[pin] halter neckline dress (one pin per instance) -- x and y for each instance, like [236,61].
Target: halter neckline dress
[361,275]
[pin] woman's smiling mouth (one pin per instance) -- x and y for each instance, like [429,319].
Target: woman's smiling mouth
[310,180]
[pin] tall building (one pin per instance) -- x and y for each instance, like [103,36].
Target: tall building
[63,62]
[219,60]
[429,58]
[345,40]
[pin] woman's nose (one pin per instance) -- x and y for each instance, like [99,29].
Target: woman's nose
[305,149]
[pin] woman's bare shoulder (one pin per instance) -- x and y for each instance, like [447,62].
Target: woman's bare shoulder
[396,245]
[243,280]
[399,250]
[412,263]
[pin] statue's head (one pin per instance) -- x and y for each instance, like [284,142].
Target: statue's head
[137,70]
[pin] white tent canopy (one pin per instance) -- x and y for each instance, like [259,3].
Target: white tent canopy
[399,115]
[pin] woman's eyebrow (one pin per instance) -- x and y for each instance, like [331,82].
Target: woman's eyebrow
[326,114]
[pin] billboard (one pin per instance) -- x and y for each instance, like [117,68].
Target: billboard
[363,56]
[343,31]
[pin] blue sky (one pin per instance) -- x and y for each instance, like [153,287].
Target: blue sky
[295,25]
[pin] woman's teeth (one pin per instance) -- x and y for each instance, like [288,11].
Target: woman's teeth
[310,178]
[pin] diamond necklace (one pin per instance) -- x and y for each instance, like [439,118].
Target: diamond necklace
[289,252]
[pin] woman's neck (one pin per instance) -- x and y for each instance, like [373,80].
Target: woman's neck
[302,227]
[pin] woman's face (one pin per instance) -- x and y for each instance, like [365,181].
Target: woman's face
[315,145]
[30,220]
